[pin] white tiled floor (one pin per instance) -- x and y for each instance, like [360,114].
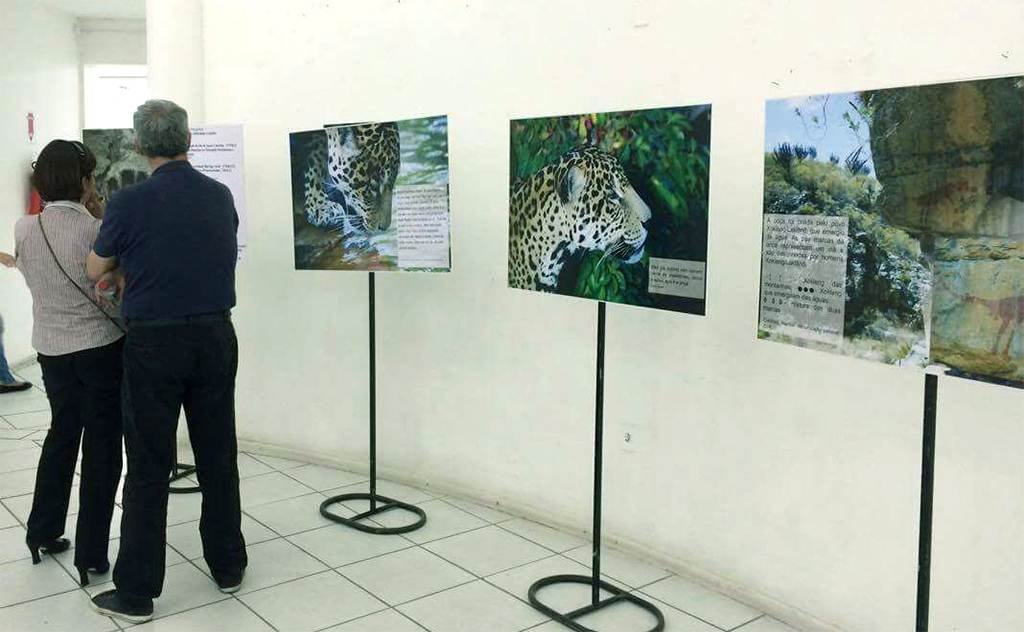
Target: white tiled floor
[468,569]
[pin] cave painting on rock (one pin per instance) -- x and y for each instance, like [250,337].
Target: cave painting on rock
[894,226]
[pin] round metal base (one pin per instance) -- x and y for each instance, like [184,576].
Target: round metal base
[378,505]
[568,619]
[181,470]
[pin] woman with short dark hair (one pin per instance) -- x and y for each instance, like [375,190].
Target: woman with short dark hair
[79,342]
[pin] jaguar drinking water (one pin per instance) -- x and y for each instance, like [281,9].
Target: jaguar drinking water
[350,177]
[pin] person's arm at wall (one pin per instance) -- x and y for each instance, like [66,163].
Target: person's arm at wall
[7,260]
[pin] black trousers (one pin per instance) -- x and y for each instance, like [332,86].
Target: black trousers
[84,389]
[168,365]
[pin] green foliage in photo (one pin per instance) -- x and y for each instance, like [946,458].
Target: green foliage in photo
[666,156]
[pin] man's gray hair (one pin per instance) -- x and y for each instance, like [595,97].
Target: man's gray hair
[161,129]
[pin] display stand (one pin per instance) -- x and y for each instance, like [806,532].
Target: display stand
[180,471]
[617,595]
[924,548]
[378,504]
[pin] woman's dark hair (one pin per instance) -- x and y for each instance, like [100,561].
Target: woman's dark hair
[57,173]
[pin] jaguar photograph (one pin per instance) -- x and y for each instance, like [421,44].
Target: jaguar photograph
[612,206]
[118,165]
[371,196]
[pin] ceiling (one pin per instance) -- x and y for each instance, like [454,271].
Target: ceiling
[100,8]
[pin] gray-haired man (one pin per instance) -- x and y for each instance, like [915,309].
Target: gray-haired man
[173,237]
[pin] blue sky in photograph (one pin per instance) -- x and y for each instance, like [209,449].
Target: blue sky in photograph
[821,125]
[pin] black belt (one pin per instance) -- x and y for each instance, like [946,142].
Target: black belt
[214,317]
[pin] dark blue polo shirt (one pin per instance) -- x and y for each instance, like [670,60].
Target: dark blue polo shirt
[175,239]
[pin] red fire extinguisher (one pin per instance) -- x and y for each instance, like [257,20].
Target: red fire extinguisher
[35,203]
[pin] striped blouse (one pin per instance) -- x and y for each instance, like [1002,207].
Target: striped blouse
[63,321]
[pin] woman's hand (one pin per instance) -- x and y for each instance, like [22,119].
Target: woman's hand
[95,203]
[7,260]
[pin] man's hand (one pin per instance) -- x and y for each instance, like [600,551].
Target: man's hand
[96,266]
[7,260]
[109,288]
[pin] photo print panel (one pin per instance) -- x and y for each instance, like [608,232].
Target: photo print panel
[372,196]
[893,226]
[216,151]
[117,163]
[612,206]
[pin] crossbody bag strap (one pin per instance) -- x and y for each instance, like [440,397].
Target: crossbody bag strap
[113,321]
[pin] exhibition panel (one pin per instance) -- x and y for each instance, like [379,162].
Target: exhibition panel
[894,226]
[216,150]
[613,206]
[372,196]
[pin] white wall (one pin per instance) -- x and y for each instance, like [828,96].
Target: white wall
[111,41]
[39,74]
[102,44]
[789,476]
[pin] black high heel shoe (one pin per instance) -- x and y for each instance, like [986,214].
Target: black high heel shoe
[53,546]
[83,572]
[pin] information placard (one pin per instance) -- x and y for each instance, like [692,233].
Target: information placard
[612,206]
[372,196]
[894,226]
[216,151]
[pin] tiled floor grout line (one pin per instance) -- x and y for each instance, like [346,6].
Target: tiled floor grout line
[415,622]
[328,568]
[453,535]
[441,557]
[41,597]
[338,570]
[27,412]
[347,564]
[445,500]
[257,457]
[22,469]
[258,615]
[431,495]
[420,545]
[285,473]
[507,530]
[743,625]
[370,614]
[525,600]
[292,478]
[436,592]
[687,613]
[362,616]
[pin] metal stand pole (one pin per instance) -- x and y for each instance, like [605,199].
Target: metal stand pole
[568,619]
[924,550]
[180,471]
[378,504]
